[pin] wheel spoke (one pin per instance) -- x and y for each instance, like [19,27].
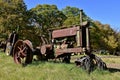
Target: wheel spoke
[17,58]
[22,50]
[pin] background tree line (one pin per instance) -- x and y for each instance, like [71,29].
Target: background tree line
[30,24]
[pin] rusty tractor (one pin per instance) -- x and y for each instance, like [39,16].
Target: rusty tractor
[62,43]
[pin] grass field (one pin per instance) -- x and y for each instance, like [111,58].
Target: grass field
[52,71]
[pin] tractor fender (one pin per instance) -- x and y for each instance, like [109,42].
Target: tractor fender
[29,43]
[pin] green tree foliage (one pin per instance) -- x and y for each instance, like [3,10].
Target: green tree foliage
[73,16]
[48,16]
[95,36]
[117,36]
[103,37]
[13,14]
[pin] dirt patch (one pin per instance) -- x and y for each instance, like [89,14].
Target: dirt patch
[113,65]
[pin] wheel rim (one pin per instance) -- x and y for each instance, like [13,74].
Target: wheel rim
[20,52]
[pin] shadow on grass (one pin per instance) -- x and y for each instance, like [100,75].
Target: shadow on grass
[114,70]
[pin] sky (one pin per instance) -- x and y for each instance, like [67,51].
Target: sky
[105,11]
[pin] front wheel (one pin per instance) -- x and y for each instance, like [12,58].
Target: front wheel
[22,53]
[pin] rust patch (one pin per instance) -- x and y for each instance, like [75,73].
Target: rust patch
[65,32]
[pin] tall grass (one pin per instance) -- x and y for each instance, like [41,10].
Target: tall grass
[49,71]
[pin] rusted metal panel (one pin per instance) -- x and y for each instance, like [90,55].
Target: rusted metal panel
[45,48]
[68,50]
[65,32]
[29,43]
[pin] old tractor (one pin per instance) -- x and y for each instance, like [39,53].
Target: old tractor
[61,44]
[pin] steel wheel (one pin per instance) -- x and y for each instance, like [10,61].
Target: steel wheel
[22,53]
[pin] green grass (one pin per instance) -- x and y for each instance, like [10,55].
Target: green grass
[49,71]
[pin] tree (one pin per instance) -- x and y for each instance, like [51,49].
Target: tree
[95,35]
[48,16]
[73,16]
[112,43]
[103,37]
[12,15]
